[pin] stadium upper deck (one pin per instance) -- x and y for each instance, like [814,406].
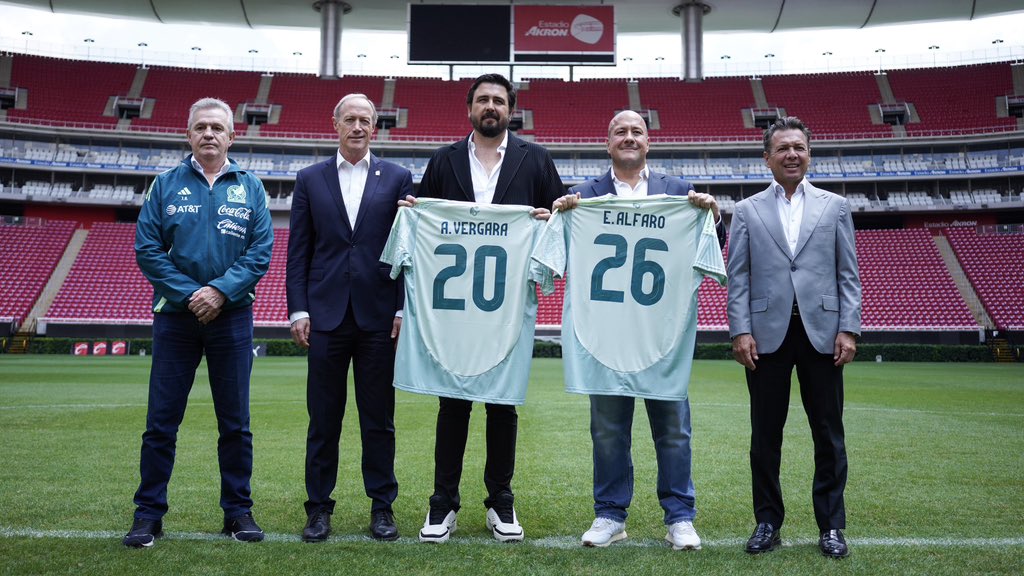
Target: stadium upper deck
[839,106]
[943,151]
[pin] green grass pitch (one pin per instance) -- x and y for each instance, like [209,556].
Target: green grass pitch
[936,481]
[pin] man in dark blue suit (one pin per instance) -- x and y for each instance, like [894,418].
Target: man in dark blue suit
[490,166]
[611,417]
[342,305]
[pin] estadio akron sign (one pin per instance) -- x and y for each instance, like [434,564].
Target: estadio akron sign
[565,34]
[511,34]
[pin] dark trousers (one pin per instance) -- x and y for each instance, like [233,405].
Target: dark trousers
[179,342]
[372,355]
[450,448]
[821,391]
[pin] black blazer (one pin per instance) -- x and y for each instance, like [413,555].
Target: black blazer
[331,265]
[528,176]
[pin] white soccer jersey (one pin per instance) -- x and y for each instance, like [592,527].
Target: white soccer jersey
[470,299]
[629,322]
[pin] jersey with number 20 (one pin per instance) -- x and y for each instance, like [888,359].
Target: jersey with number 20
[470,299]
[629,321]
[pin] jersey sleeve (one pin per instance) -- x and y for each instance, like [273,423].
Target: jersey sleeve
[548,259]
[398,249]
[709,260]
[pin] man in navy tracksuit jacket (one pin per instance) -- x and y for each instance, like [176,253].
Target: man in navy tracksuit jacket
[203,240]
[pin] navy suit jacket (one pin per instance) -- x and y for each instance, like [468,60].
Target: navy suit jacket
[657,183]
[528,176]
[331,265]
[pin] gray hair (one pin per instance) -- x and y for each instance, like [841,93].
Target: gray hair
[353,96]
[787,123]
[208,103]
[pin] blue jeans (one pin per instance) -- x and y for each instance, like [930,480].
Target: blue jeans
[611,424]
[179,342]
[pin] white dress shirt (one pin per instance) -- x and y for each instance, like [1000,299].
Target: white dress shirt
[624,190]
[791,212]
[352,178]
[484,183]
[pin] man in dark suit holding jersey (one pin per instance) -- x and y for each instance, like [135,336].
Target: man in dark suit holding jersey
[490,166]
[611,416]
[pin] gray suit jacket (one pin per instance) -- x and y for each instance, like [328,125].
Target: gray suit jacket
[764,278]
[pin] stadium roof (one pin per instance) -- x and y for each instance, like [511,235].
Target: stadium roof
[634,16]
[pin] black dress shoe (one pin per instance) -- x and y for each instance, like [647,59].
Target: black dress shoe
[833,544]
[318,526]
[382,525]
[143,533]
[764,539]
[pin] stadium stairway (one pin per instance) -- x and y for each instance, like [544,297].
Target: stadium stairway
[962,283]
[56,280]
[1001,350]
[20,342]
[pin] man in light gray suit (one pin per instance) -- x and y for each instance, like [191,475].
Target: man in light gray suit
[794,300]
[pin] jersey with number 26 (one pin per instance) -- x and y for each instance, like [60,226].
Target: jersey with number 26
[470,299]
[629,321]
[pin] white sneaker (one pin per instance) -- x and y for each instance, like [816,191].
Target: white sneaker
[682,536]
[441,529]
[504,531]
[603,532]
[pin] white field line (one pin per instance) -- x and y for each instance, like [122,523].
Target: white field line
[560,542]
[735,405]
[856,408]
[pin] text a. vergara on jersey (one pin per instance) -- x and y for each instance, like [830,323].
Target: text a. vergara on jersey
[455,227]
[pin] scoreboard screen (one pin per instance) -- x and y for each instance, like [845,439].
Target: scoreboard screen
[459,34]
